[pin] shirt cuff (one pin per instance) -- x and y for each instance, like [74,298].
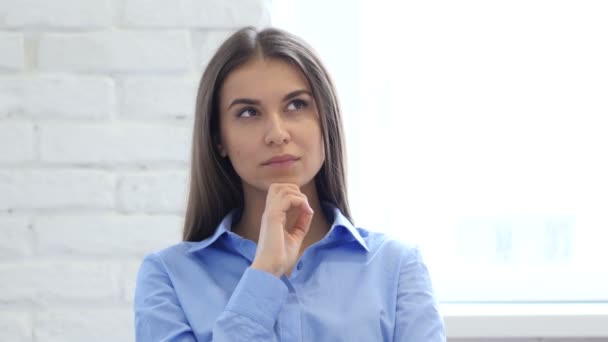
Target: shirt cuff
[259,295]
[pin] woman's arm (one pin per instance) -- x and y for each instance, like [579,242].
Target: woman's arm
[417,317]
[249,316]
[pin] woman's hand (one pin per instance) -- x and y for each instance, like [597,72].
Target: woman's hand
[285,223]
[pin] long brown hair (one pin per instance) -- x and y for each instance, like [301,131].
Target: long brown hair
[215,188]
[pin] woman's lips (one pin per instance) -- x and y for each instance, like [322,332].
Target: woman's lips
[285,158]
[282,162]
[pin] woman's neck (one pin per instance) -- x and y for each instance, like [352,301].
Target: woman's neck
[255,202]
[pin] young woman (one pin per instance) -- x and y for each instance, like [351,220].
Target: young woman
[270,252]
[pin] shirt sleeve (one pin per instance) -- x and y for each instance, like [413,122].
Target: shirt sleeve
[249,316]
[417,317]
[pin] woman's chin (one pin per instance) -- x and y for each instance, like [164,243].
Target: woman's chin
[283,180]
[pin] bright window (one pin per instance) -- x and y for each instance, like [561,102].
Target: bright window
[478,130]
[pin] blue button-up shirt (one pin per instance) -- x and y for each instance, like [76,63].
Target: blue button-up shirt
[353,285]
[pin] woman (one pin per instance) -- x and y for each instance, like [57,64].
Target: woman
[269,251]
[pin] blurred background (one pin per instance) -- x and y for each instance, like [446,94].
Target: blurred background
[475,129]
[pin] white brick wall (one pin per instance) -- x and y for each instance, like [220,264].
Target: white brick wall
[114,142]
[159,97]
[59,281]
[138,192]
[194,13]
[12,47]
[51,97]
[16,142]
[44,14]
[96,107]
[16,241]
[116,51]
[84,325]
[15,325]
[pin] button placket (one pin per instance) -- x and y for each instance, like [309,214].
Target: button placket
[290,320]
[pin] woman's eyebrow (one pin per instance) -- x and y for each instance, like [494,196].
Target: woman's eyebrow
[244,101]
[257,102]
[296,93]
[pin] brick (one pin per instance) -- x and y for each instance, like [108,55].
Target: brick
[112,51]
[91,325]
[16,142]
[12,47]
[195,13]
[58,14]
[158,192]
[159,97]
[56,189]
[15,326]
[15,238]
[114,143]
[11,102]
[107,235]
[57,97]
[51,281]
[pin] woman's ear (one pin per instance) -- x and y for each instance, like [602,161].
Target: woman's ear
[219,147]
[221,150]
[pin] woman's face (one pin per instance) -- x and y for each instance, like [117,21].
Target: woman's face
[267,111]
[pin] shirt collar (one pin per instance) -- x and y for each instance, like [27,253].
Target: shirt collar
[342,221]
[339,220]
[224,227]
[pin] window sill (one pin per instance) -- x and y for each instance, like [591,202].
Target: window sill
[525,320]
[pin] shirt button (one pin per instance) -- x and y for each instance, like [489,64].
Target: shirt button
[299,266]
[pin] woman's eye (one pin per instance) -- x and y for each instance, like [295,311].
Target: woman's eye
[296,104]
[247,112]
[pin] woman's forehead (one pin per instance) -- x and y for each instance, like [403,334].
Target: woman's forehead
[263,78]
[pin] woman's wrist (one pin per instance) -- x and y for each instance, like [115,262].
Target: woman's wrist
[262,267]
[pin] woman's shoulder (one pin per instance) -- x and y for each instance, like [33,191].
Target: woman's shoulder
[169,254]
[180,247]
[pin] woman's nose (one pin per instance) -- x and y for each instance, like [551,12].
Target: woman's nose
[277,133]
